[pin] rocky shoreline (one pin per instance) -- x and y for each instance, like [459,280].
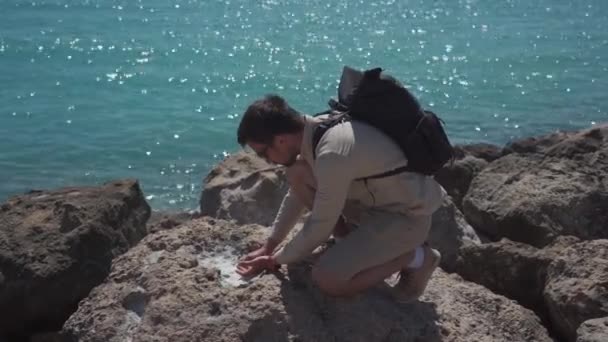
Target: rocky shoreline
[523,233]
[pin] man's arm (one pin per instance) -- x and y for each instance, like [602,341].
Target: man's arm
[289,213]
[334,176]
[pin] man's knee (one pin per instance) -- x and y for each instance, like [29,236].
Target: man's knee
[328,282]
[299,173]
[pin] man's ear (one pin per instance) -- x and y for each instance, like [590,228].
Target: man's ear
[279,139]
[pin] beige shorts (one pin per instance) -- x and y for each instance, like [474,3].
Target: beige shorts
[380,237]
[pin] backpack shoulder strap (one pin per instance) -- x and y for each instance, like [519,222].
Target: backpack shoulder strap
[323,127]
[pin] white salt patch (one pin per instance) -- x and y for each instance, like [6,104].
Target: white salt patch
[129,325]
[153,257]
[225,261]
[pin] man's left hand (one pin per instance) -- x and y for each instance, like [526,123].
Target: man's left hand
[250,268]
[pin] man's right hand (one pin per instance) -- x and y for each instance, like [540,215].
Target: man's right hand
[266,249]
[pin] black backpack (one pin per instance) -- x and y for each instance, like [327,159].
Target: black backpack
[381,101]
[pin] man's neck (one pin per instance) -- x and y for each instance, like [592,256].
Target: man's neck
[299,137]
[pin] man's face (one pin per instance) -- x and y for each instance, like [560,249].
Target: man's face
[278,152]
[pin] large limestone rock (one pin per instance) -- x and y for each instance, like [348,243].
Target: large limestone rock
[55,246]
[456,177]
[485,151]
[450,232]
[515,270]
[244,188]
[179,285]
[504,267]
[559,189]
[593,330]
[539,144]
[566,283]
[470,160]
[577,286]
[161,220]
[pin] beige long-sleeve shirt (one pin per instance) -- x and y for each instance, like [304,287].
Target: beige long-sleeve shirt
[346,152]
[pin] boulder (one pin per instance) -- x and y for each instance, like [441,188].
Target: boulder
[593,330]
[55,246]
[179,285]
[244,188]
[539,144]
[485,151]
[534,197]
[456,177]
[449,232]
[505,266]
[160,220]
[577,286]
[565,283]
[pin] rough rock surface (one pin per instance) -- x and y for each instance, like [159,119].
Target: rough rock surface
[449,233]
[244,188]
[538,144]
[505,266]
[593,330]
[487,152]
[55,246]
[456,178]
[470,160]
[565,283]
[161,220]
[577,286]
[174,286]
[534,197]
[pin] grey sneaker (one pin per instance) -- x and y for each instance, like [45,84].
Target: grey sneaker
[412,283]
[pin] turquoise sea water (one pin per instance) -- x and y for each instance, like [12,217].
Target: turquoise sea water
[98,90]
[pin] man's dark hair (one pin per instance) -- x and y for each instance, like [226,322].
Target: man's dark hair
[266,118]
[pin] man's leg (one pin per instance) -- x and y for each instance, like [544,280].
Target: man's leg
[362,280]
[383,244]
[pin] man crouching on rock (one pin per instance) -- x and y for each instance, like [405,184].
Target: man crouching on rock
[392,214]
